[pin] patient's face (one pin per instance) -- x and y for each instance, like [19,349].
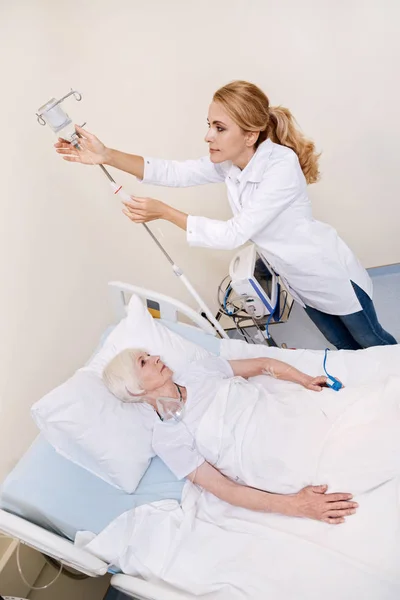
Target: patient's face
[151,371]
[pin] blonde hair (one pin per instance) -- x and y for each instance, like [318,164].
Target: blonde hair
[249,108]
[120,375]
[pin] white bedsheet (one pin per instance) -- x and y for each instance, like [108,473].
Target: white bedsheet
[350,366]
[349,439]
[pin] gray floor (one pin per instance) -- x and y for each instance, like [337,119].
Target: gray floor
[300,332]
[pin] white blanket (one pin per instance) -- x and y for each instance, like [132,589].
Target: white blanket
[349,440]
[281,443]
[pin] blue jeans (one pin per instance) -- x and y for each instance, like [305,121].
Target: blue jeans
[355,331]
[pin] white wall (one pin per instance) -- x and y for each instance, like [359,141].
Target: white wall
[147,71]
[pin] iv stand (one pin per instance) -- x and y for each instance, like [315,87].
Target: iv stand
[119,191]
[53,114]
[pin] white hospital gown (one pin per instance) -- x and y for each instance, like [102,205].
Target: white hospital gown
[174,442]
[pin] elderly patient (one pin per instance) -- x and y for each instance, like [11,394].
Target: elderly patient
[134,376]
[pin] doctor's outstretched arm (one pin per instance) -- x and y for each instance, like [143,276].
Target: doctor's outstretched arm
[156,171]
[94,152]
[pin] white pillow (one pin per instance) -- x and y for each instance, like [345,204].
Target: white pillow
[85,423]
[140,330]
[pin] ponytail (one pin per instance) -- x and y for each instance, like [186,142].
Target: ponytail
[249,108]
[282,130]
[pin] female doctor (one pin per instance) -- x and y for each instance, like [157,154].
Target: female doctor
[266,164]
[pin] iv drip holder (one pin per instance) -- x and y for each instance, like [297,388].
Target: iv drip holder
[53,102]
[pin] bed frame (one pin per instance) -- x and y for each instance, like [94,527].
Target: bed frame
[63,550]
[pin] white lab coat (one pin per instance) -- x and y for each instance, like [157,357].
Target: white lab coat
[271,208]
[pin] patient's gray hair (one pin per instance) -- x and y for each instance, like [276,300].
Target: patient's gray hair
[120,375]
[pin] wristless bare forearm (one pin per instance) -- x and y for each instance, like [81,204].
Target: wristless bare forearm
[212,480]
[253,499]
[130,163]
[286,372]
[176,217]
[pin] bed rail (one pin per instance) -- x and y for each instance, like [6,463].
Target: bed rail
[51,544]
[169,308]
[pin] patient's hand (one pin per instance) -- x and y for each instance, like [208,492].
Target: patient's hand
[314,503]
[316,383]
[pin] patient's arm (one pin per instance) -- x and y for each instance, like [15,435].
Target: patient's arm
[249,367]
[311,502]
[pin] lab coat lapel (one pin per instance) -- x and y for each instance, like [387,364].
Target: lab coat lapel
[254,171]
[236,180]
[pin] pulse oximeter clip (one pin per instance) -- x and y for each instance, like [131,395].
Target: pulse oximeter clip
[331,381]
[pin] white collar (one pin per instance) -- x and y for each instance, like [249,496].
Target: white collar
[255,168]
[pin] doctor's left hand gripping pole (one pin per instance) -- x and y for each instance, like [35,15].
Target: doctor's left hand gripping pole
[52,114]
[119,191]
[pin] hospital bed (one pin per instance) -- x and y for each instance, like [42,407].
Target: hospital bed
[46,499]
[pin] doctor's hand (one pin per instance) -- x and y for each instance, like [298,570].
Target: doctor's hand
[92,151]
[142,210]
[314,503]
